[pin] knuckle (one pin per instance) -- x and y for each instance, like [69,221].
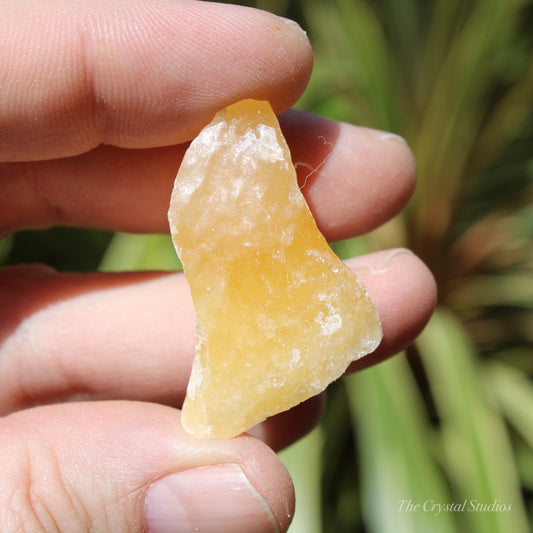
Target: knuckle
[28,197]
[38,499]
[21,286]
[23,514]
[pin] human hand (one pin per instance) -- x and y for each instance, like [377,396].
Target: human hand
[98,101]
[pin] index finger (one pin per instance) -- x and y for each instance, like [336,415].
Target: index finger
[136,73]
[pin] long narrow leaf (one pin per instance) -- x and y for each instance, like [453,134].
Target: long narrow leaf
[401,480]
[513,391]
[303,461]
[140,252]
[479,458]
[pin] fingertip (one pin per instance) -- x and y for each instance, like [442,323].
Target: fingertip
[376,171]
[294,57]
[139,73]
[353,178]
[125,450]
[278,65]
[198,58]
[271,480]
[208,498]
[404,293]
[398,168]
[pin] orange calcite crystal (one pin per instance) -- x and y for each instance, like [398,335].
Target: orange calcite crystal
[279,316]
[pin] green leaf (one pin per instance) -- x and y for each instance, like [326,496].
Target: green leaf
[513,391]
[5,248]
[140,252]
[514,289]
[400,477]
[303,461]
[478,455]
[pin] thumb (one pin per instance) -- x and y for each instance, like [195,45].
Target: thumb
[136,73]
[129,467]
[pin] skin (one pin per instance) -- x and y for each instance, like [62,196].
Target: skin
[97,110]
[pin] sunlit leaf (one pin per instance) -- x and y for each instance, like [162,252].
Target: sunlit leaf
[401,478]
[479,457]
[140,252]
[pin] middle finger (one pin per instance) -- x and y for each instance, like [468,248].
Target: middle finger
[131,335]
[353,179]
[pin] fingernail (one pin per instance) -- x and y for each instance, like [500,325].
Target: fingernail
[377,263]
[386,136]
[208,499]
[293,23]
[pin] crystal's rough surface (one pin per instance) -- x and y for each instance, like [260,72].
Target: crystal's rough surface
[279,316]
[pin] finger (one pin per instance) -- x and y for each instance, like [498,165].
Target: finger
[129,466]
[284,429]
[136,73]
[132,335]
[70,333]
[353,179]
[404,292]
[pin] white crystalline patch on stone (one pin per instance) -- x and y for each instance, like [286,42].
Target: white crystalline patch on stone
[196,378]
[206,144]
[295,358]
[271,149]
[315,254]
[187,190]
[265,145]
[277,383]
[329,324]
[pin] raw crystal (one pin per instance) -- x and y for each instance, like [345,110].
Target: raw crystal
[279,316]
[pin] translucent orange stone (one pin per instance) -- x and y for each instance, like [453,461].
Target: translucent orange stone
[279,316]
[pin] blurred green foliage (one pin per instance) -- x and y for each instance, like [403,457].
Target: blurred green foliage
[450,420]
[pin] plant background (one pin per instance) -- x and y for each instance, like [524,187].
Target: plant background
[451,419]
